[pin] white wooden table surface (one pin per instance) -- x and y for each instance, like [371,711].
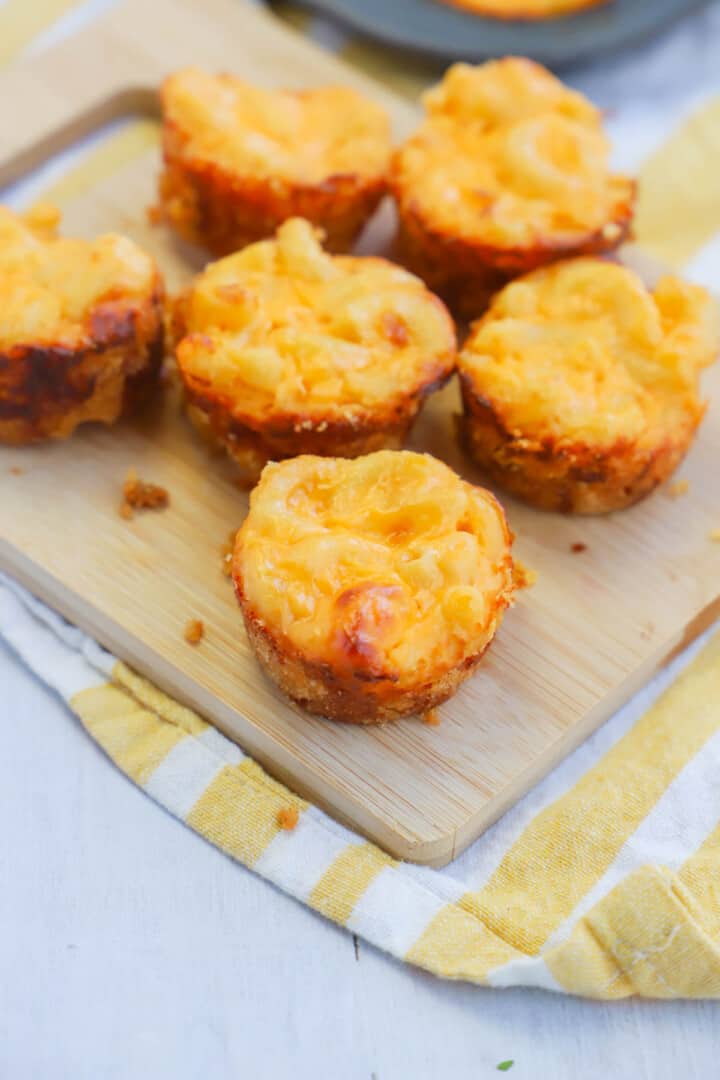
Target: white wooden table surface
[131,949]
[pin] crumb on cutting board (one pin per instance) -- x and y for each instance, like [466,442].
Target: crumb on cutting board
[431,718]
[227,554]
[288,817]
[16,470]
[578,547]
[140,495]
[677,488]
[154,214]
[612,231]
[715,535]
[194,631]
[523,576]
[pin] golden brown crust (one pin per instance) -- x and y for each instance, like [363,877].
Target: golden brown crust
[289,351]
[467,273]
[222,213]
[579,386]
[251,450]
[370,589]
[223,204]
[578,478]
[81,327]
[47,390]
[507,173]
[343,696]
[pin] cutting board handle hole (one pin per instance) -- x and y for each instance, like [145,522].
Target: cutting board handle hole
[44,158]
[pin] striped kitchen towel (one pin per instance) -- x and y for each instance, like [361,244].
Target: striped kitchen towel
[605,879]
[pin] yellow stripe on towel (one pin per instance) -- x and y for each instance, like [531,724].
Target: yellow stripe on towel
[152,698]
[580,834]
[238,811]
[458,945]
[134,737]
[700,874]
[103,161]
[23,20]
[678,206]
[646,937]
[344,882]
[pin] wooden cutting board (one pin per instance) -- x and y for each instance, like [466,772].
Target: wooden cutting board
[591,632]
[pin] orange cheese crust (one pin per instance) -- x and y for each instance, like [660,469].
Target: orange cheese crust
[524,9]
[580,386]
[289,350]
[240,160]
[81,327]
[508,172]
[371,588]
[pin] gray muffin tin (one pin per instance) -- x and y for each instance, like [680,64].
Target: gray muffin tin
[436,29]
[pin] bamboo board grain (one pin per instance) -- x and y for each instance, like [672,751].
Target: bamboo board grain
[592,631]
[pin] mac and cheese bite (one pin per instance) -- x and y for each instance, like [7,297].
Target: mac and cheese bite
[580,385]
[81,327]
[240,160]
[524,9]
[289,350]
[370,589]
[508,172]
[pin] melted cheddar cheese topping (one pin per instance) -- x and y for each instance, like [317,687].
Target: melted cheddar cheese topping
[49,285]
[511,158]
[583,351]
[303,136]
[388,564]
[283,327]
[503,92]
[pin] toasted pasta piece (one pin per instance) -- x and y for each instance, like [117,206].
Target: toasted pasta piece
[81,327]
[580,385]
[524,9]
[508,172]
[289,350]
[239,160]
[371,588]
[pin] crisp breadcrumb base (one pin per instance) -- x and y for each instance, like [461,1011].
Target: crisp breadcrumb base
[318,690]
[577,478]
